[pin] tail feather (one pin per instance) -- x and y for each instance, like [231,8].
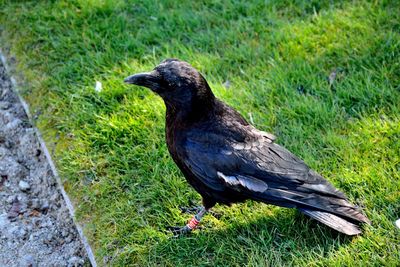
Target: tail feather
[352,213]
[330,205]
[333,221]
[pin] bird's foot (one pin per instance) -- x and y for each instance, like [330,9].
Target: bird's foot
[179,230]
[189,227]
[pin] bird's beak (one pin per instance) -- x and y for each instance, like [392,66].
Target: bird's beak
[139,79]
[148,79]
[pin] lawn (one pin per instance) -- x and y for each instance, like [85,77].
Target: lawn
[324,76]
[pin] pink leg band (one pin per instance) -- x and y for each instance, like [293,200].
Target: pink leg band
[192,224]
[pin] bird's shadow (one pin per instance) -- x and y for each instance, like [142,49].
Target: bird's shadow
[273,239]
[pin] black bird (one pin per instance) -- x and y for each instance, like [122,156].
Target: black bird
[227,160]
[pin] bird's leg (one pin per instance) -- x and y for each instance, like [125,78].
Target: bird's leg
[192,223]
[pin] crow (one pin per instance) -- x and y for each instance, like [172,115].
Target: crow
[227,160]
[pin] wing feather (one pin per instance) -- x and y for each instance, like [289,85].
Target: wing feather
[262,170]
[239,182]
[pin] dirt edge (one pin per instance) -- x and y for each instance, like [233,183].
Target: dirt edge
[67,200]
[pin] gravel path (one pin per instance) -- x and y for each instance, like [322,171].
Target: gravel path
[36,228]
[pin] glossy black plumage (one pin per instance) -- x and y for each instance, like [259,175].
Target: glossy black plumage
[227,160]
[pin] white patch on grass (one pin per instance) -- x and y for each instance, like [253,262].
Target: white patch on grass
[227,84]
[98,87]
[398,223]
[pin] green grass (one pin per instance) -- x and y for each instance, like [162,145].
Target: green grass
[277,56]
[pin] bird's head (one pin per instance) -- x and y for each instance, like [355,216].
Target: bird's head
[176,81]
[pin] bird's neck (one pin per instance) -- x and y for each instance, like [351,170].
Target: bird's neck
[190,112]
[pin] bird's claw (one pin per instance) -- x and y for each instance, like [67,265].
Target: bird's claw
[179,230]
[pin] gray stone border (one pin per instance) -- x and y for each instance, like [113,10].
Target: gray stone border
[51,163]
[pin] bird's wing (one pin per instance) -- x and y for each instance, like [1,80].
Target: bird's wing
[216,159]
[262,170]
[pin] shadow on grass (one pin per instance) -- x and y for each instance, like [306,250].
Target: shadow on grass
[283,238]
